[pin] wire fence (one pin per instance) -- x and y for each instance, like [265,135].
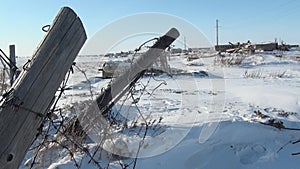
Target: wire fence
[64,134]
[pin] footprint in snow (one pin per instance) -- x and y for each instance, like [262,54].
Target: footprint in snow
[249,154]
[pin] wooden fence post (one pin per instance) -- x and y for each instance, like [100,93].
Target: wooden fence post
[26,104]
[12,56]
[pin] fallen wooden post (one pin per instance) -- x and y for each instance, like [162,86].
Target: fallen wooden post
[96,119]
[29,100]
[137,70]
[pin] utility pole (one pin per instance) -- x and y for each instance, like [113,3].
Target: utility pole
[184,39]
[217,32]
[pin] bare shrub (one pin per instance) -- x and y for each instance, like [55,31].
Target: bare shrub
[229,60]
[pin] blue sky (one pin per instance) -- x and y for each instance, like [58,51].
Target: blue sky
[256,20]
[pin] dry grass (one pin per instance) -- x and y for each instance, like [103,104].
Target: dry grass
[3,79]
[229,60]
[258,74]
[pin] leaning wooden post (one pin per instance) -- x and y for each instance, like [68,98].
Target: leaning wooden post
[12,56]
[136,71]
[29,99]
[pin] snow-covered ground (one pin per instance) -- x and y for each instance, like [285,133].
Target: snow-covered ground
[208,116]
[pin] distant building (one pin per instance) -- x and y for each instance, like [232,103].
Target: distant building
[109,55]
[197,50]
[257,46]
[176,50]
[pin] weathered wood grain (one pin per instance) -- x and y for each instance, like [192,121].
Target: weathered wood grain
[22,110]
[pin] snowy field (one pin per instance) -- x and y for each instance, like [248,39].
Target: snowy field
[207,115]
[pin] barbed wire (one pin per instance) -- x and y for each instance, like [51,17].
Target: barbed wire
[63,131]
